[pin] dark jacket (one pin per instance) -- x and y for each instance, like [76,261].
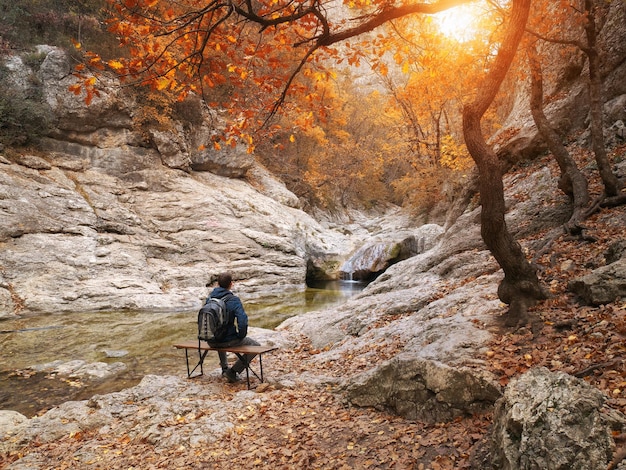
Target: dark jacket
[235,312]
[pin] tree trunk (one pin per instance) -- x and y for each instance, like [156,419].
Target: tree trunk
[520,288]
[573,183]
[610,181]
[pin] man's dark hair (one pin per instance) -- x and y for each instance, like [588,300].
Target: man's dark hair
[224,280]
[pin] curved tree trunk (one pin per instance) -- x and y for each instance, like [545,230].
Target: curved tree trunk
[611,183]
[520,287]
[573,182]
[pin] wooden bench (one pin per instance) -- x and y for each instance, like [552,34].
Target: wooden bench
[240,351]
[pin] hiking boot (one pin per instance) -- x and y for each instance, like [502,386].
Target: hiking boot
[231,375]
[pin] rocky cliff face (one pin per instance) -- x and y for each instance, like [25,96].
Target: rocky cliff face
[104,219]
[566,90]
[95,239]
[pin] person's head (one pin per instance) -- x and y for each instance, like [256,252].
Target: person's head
[225,280]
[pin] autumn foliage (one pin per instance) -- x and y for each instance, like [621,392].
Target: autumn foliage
[281,55]
[249,59]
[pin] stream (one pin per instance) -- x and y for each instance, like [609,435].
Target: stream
[142,340]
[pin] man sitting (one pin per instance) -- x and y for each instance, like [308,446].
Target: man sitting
[236,334]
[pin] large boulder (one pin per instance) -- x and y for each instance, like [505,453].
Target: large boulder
[376,255]
[424,390]
[603,285]
[551,421]
[607,283]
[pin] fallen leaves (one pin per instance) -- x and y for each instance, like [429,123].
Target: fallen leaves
[304,427]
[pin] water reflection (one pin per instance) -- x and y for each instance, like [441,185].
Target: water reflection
[146,336]
[269,312]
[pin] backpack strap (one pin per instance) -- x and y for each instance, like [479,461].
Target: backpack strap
[225,298]
[230,295]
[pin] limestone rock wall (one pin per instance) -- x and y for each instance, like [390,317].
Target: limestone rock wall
[81,240]
[567,100]
[104,219]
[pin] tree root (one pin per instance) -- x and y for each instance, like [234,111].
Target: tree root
[594,207]
[614,201]
[585,372]
[548,240]
[603,201]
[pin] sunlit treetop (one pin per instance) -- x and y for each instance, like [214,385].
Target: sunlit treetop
[462,23]
[246,56]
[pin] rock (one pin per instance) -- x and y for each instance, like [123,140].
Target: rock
[263,181]
[232,162]
[376,255]
[9,420]
[603,285]
[80,368]
[102,205]
[552,421]
[423,390]
[534,214]
[34,162]
[134,234]
[173,149]
[372,259]
[615,110]
[616,251]
[115,353]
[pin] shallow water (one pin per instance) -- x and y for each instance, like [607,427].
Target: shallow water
[146,337]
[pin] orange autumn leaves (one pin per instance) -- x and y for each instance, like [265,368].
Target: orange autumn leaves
[216,51]
[195,46]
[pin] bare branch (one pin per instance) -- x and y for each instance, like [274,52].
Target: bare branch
[566,42]
[389,14]
[276,106]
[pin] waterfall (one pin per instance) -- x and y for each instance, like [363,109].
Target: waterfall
[373,258]
[368,260]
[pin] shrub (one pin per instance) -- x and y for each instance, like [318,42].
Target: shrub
[24,115]
[27,23]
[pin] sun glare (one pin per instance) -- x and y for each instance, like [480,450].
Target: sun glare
[460,23]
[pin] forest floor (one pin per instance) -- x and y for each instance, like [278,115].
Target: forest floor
[313,427]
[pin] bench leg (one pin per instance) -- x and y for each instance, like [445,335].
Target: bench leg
[201,356]
[243,358]
[246,364]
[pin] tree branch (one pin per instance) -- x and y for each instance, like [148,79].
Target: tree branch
[389,14]
[566,42]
